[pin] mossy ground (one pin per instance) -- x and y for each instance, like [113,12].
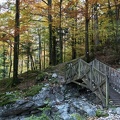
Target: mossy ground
[30,84]
[26,87]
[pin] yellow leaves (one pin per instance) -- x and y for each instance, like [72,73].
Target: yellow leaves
[93,1]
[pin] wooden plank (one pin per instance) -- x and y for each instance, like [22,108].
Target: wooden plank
[107,92]
[80,84]
[99,85]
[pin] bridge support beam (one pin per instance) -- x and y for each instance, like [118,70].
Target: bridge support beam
[107,91]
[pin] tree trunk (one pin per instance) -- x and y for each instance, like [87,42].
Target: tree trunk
[96,34]
[50,32]
[40,49]
[54,48]
[117,26]
[74,53]
[111,29]
[4,59]
[32,62]
[10,67]
[61,41]
[21,65]
[28,52]
[16,44]
[44,54]
[86,33]
[73,48]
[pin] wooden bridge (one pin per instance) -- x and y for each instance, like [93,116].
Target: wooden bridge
[101,79]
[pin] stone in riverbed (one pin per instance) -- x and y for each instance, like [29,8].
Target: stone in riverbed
[54,75]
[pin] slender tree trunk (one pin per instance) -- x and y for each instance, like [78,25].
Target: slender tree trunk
[28,60]
[40,49]
[117,25]
[74,41]
[61,41]
[64,53]
[50,32]
[74,53]
[110,15]
[10,67]
[96,33]
[73,48]
[32,62]
[44,54]
[54,48]
[21,65]
[92,35]
[16,44]
[86,33]
[4,58]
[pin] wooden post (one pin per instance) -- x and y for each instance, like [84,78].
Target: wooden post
[66,69]
[91,78]
[79,68]
[107,91]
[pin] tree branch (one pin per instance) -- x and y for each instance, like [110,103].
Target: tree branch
[45,2]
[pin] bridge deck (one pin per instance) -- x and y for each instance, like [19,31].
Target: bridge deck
[114,97]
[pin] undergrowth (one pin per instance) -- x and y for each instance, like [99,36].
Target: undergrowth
[43,115]
[33,90]
[11,97]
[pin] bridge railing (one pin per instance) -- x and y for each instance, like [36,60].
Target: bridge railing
[113,74]
[83,69]
[71,70]
[100,85]
[76,70]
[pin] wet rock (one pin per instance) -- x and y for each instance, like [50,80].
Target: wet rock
[63,100]
[63,111]
[118,110]
[54,75]
[15,109]
[59,97]
[39,99]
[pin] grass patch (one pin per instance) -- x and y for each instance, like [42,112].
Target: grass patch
[41,76]
[33,90]
[77,116]
[9,97]
[12,97]
[100,113]
[43,116]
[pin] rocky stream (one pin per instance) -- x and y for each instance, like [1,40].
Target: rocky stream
[59,102]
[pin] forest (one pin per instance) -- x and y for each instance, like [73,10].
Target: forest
[35,34]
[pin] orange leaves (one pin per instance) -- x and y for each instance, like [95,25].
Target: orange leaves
[28,1]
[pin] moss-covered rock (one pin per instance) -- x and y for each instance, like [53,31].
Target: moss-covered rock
[100,113]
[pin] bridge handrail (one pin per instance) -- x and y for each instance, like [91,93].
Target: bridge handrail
[113,74]
[101,82]
[70,72]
